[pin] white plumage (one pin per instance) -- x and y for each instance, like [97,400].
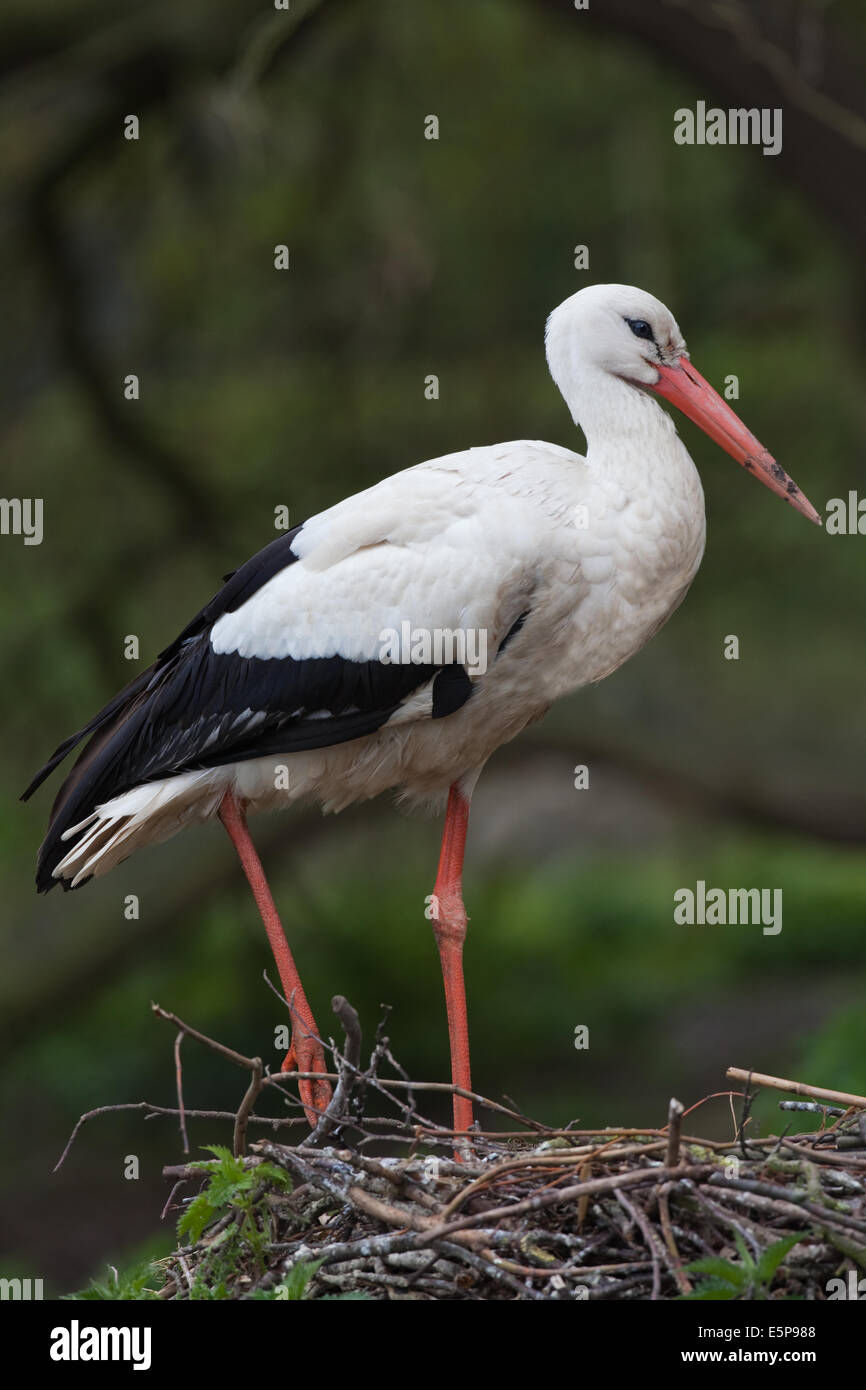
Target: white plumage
[599,551]
[576,561]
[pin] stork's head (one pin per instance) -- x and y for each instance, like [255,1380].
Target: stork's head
[629,334]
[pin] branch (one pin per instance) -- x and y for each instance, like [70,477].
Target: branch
[796,1088]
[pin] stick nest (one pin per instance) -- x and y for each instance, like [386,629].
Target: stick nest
[394,1206]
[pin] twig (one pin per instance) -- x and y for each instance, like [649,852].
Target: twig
[681,1277]
[675,1115]
[643,1225]
[486,1265]
[155,1110]
[246,1108]
[348,1067]
[789,1210]
[796,1088]
[805,1150]
[177,1186]
[178,1071]
[249,1063]
[812,1107]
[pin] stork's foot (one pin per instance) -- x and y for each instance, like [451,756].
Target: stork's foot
[307,1054]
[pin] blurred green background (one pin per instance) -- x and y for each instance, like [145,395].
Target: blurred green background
[261,388]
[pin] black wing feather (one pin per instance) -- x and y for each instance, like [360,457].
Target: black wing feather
[196,708]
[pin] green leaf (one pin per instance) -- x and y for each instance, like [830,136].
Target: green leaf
[773,1257]
[710,1288]
[141,1282]
[272,1173]
[298,1280]
[222,1153]
[719,1269]
[198,1214]
[225,1188]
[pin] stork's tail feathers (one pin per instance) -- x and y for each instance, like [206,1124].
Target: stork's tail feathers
[146,814]
[99,814]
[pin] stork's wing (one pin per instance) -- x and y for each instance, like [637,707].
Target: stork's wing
[296,650]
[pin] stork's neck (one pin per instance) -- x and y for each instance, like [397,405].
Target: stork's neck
[633,449]
[625,428]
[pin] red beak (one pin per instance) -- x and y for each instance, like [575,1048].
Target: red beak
[685,388]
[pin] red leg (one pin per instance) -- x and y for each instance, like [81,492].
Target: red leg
[449,927]
[305,1050]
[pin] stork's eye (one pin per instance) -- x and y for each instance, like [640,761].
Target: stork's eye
[640,328]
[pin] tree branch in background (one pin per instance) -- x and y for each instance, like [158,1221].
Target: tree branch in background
[750,56]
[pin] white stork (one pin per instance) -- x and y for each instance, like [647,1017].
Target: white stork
[290,683]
